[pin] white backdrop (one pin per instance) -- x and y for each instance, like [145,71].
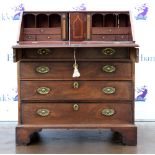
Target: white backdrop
[143,17]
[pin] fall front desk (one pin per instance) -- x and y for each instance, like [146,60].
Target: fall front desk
[76,70]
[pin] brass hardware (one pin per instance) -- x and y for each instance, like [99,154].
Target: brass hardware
[76,85]
[108,51]
[75,107]
[43,90]
[75,65]
[43,51]
[109,90]
[43,112]
[108,112]
[42,69]
[109,68]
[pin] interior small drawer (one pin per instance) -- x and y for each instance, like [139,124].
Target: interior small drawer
[48,37]
[103,37]
[29,37]
[42,30]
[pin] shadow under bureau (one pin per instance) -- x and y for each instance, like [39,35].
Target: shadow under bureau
[99,48]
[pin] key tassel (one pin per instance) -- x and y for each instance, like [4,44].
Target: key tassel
[76,72]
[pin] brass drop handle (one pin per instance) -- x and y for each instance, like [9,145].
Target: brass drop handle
[43,51]
[109,90]
[43,112]
[76,85]
[75,107]
[108,51]
[109,68]
[108,112]
[42,69]
[43,90]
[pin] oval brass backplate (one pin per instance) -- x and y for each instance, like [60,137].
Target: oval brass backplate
[109,90]
[43,90]
[43,112]
[43,51]
[108,112]
[108,51]
[109,68]
[42,69]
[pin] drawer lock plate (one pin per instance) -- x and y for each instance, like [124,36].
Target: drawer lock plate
[75,107]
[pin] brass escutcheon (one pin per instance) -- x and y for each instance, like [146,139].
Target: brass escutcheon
[42,69]
[109,90]
[43,90]
[75,107]
[108,112]
[43,51]
[108,51]
[76,85]
[43,112]
[109,68]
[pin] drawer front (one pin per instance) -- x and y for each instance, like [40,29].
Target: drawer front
[42,30]
[48,37]
[82,53]
[64,70]
[111,30]
[76,113]
[103,37]
[76,90]
[29,37]
[122,37]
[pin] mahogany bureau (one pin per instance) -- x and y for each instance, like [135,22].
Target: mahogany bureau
[76,70]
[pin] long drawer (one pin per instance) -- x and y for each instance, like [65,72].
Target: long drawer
[106,37]
[81,53]
[64,70]
[76,90]
[76,113]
